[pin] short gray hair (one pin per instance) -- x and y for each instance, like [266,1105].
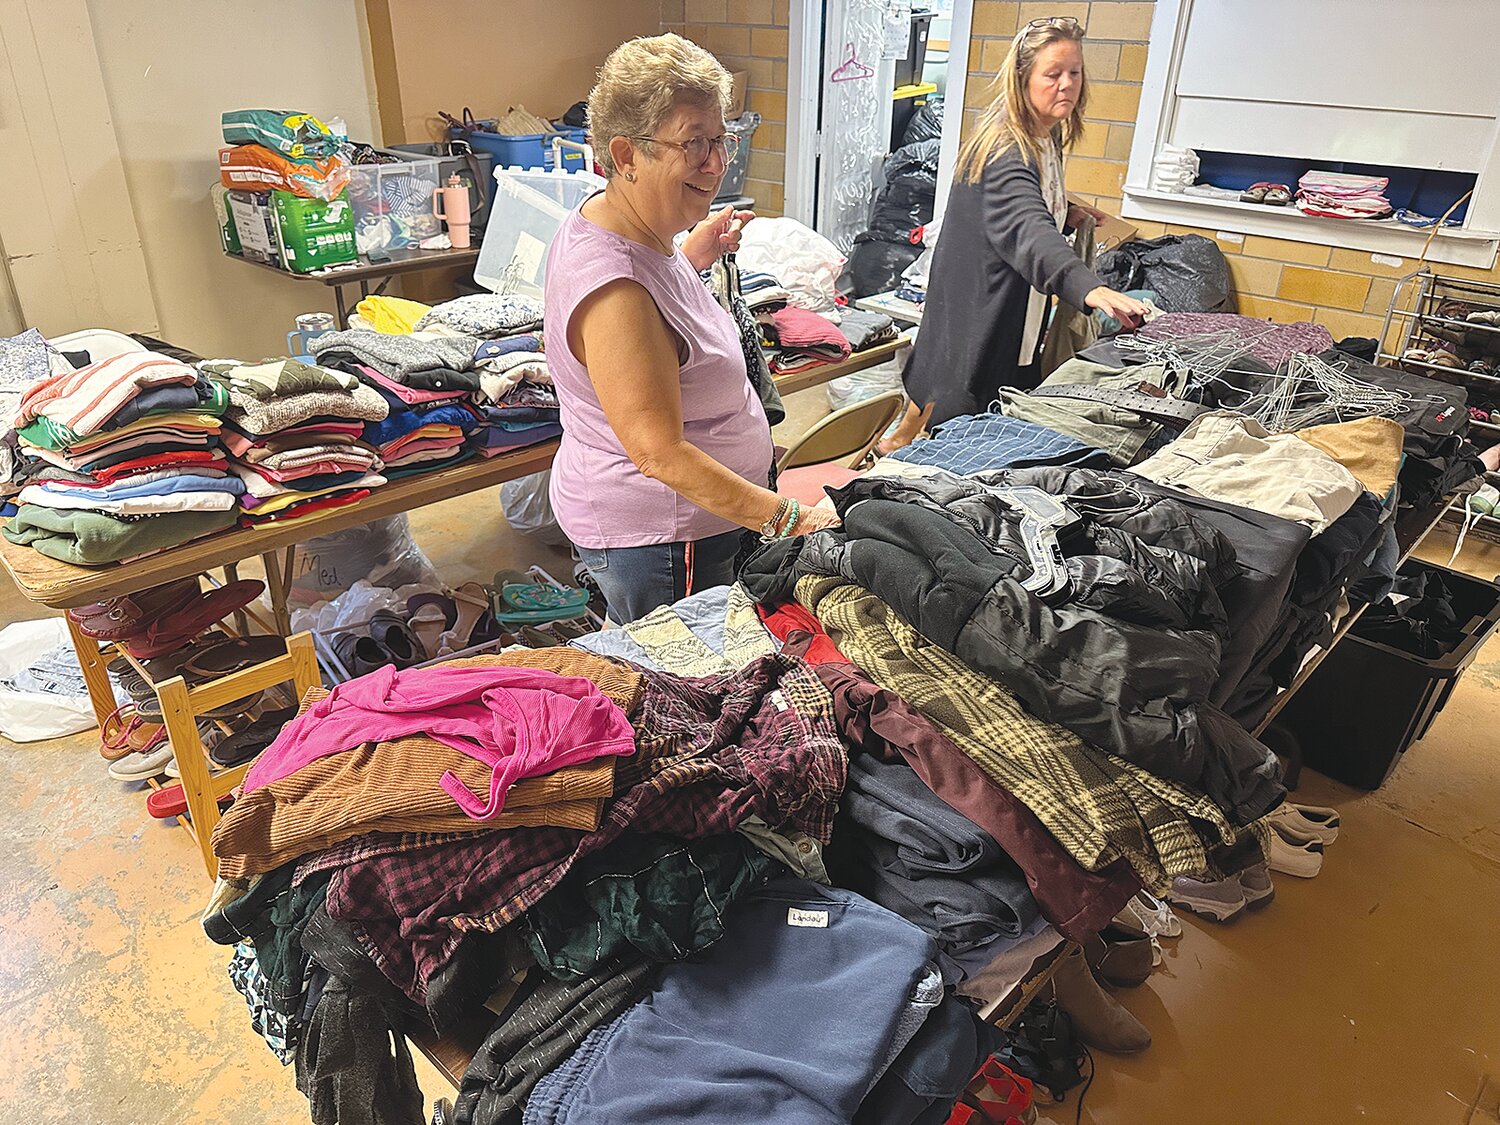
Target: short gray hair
[642,81]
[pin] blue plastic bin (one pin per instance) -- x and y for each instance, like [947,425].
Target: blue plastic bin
[534,150]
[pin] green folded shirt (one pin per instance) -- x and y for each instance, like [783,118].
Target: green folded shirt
[85,538]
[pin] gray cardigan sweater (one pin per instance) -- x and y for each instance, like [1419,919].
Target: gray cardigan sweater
[998,242]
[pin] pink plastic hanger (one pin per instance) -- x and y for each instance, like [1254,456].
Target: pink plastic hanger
[851,68]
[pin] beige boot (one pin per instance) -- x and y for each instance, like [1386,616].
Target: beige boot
[1099,1020]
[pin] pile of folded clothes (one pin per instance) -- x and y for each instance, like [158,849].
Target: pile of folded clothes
[1337,195]
[762,292]
[121,458]
[469,376]
[294,431]
[802,340]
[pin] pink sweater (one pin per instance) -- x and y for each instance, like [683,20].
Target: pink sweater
[519,721]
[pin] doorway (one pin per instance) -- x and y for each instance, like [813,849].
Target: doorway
[849,92]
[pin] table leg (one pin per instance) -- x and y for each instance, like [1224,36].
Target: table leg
[338,303]
[278,582]
[101,694]
[241,622]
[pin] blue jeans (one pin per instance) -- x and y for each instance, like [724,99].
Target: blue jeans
[636,580]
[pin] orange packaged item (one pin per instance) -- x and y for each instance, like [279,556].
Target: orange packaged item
[257,168]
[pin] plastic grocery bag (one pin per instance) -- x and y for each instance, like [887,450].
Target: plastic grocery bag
[42,692]
[382,552]
[528,508]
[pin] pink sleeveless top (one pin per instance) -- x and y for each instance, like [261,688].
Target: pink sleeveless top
[600,498]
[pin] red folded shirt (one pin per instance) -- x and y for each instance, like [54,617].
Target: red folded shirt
[322,503]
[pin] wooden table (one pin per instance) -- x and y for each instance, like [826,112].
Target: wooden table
[401,261]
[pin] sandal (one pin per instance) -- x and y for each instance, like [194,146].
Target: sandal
[138,767]
[1255,193]
[1277,195]
[170,801]
[472,605]
[125,732]
[432,615]
[243,745]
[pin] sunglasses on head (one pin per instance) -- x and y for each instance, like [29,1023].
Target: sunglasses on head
[1065,22]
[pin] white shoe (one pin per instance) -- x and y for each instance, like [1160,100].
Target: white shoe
[1321,822]
[1304,860]
[1152,915]
[138,767]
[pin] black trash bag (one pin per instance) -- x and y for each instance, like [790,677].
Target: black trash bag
[926,124]
[877,261]
[920,158]
[1187,273]
[903,207]
[577,116]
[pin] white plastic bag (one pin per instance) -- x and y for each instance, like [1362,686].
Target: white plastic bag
[849,389]
[382,553]
[528,508]
[42,692]
[807,264]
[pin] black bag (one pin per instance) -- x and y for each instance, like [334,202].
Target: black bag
[878,259]
[1187,273]
[926,124]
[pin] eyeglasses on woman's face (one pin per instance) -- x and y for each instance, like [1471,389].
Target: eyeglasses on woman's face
[696,151]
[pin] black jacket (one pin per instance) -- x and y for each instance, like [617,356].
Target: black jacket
[1128,662]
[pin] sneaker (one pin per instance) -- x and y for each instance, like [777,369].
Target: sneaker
[1256,883]
[1485,501]
[1152,915]
[1302,860]
[140,766]
[1219,901]
[1315,820]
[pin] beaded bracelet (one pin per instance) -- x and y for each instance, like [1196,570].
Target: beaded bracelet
[791,520]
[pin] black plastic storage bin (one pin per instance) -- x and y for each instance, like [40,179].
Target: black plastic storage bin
[909,69]
[1367,702]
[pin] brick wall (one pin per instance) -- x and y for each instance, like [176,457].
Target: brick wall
[1272,277]
[748,35]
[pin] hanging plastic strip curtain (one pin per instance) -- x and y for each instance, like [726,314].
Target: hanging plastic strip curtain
[853,146]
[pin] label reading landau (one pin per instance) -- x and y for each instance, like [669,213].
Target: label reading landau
[817,919]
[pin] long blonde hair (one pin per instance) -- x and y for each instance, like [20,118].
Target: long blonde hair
[1011,121]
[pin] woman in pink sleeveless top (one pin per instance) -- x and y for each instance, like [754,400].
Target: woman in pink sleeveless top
[665,448]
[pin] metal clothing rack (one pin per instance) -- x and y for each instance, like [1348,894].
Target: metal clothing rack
[1414,317]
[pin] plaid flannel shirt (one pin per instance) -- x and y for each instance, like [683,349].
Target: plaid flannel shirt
[1098,806]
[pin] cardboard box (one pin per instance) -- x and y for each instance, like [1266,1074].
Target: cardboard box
[741,80]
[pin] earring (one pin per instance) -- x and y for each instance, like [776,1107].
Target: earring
[630,177]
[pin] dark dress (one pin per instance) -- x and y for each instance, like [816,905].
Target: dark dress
[998,242]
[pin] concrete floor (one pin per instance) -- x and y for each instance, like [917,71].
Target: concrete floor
[1366,995]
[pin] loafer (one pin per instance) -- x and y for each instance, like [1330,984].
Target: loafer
[360,655]
[132,614]
[177,628]
[138,767]
[391,633]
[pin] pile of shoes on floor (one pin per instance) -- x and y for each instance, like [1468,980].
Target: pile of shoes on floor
[1298,835]
[516,608]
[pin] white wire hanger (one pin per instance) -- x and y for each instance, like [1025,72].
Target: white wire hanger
[851,69]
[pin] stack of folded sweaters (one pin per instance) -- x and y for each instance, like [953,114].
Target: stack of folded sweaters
[470,377]
[802,340]
[294,433]
[121,458]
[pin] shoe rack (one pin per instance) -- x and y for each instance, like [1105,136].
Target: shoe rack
[1428,312]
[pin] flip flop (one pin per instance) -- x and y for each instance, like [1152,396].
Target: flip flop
[243,745]
[170,801]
